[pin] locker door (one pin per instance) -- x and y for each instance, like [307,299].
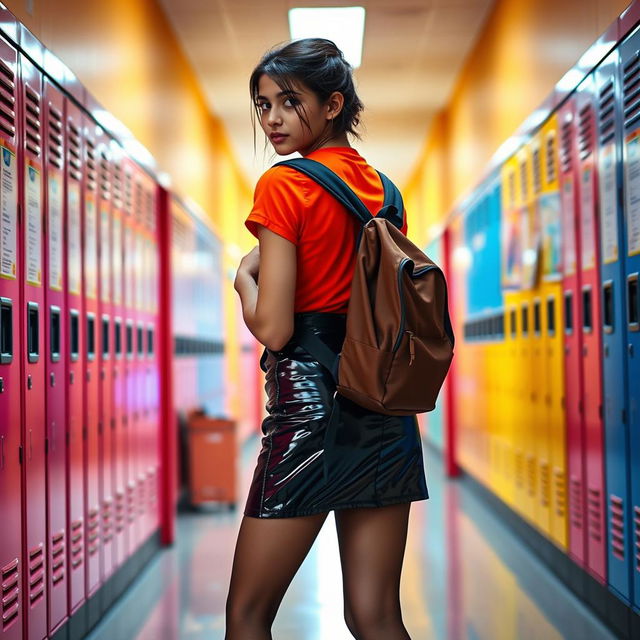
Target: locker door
[628,70]
[590,322]
[33,357]
[119,448]
[130,414]
[106,425]
[55,347]
[91,325]
[572,334]
[552,322]
[614,372]
[11,557]
[73,355]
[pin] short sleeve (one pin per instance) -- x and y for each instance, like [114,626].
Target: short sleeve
[279,204]
[405,226]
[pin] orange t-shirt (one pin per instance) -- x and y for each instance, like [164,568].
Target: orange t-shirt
[295,207]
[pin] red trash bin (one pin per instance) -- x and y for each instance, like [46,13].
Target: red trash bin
[213,455]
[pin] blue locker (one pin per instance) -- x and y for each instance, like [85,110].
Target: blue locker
[629,70]
[613,328]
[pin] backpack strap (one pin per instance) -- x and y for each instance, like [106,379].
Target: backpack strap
[393,207]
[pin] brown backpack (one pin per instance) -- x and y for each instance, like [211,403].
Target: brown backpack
[399,339]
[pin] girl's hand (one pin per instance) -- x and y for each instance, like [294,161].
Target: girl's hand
[250,264]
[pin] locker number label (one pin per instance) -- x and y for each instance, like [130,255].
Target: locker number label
[33,207]
[55,231]
[8,213]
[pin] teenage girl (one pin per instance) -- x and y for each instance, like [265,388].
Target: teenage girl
[301,274]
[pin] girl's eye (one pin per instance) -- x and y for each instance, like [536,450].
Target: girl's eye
[290,102]
[263,106]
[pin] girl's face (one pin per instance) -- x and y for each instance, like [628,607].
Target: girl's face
[280,120]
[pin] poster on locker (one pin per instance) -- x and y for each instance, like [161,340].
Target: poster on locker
[33,206]
[608,205]
[105,255]
[531,246]
[74,255]
[90,248]
[549,209]
[632,191]
[511,250]
[54,228]
[568,228]
[8,212]
[587,226]
[116,258]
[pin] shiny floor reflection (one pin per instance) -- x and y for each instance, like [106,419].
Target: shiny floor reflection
[465,577]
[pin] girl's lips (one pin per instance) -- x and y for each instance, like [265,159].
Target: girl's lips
[277,137]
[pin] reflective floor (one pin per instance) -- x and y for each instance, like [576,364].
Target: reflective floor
[465,577]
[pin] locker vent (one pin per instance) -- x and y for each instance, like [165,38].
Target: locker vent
[531,475]
[91,164]
[107,532]
[105,186]
[512,188]
[32,114]
[77,546]
[153,488]
[36,574]
[117,185]
[519,469]
[617,526]
[151,218]
[142,495]
[7,100]
[139,203]
[128,192]
[631,91]
[57,558]
[131,501]
[576,503]
[120,511]
[545,484]
[560,492]
[585,131]
[524,191]
[93,525]
[55,137]
[10,593]
[565,146]
[537,170]
[606,114]
[636,523]
[73,138]
[550,158]
[594,509]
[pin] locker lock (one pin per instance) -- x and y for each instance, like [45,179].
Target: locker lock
[630,349]
[71,377]
[1,385]
[52,378]
[29,382]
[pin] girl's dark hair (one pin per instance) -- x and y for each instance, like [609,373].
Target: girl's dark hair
[318,64]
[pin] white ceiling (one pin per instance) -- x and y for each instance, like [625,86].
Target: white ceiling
[413,51]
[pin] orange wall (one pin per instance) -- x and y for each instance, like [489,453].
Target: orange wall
[525,47]
[126,54]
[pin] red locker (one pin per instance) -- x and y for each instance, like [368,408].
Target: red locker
[75,365]
[572,335]
[33,355]
[117,309]
[55,348]
[586,142]
[91,326]
[106,426]
[12,602]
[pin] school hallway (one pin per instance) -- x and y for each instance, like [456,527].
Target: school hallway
[466,575]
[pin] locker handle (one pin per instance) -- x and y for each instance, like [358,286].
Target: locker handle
[106,348]
[54,333]
[607,303]
[74,334]
[91,336]
[632,301]
[33,332]
[140,341]
[129,339]
[150,341]
[551,316]
[587,309]
[117,330]
[6,331]
[568,312]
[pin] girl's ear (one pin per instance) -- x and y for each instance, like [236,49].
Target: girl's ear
[334,105]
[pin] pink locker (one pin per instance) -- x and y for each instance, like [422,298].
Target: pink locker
[33,355]
[572,335]
[130,368]
[591,328]
[55,349]
[91,326]
[117,310]
[75,364]
[11,348]
[106,426]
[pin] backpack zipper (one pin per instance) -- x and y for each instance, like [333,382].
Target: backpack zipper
[415,274]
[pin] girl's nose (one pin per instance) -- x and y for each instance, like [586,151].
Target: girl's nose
[274,117]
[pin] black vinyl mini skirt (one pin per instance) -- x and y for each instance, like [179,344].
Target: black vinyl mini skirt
[320,451]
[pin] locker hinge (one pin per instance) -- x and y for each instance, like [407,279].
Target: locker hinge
[67,438]
[600,413]
[624,416]
[20,454]
[84,432]
[46,446]
[19,214]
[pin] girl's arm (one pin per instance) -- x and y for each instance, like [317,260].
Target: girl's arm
[267,305]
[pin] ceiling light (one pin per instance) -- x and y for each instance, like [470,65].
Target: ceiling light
[343,25]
